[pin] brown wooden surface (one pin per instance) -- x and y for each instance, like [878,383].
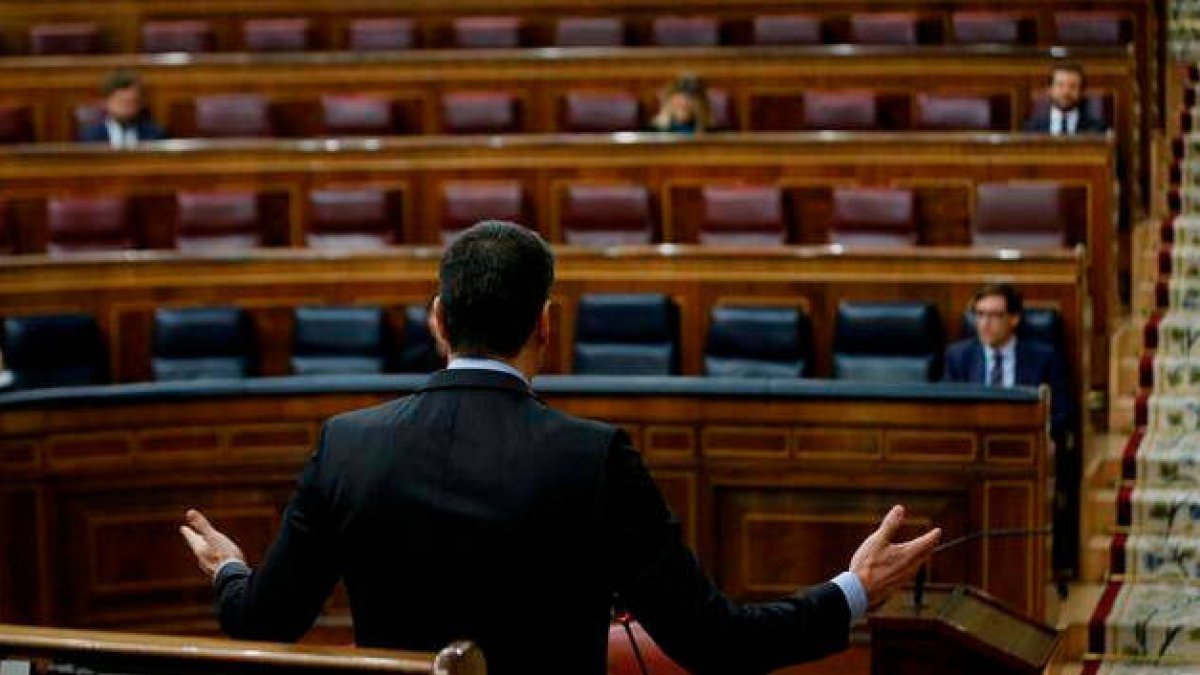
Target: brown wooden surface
[110,483]
[942,169]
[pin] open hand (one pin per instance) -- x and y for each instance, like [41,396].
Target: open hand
[210,546]
[883,566]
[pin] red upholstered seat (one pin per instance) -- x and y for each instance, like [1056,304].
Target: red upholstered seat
[468,202]
[1091,28]
[787,29]
[76,224]
[65,38]
[607,215]
[1020,215]
[747,215]
[217,221]
[589,31]
[981,27]
[623,660]
[686,31]
[601,111]
[487,32]
[16,124]
[348,219]
[480,112]
[356,115]
[840,110]
[949,112]
[380,34]
[233,115]
[884,28]
[291,34]
[160,37]
[873,217]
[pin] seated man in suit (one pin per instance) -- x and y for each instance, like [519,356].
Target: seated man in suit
[1066,115]
[126,122]
[471,509]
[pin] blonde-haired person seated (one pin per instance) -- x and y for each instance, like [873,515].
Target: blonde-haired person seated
[684,108]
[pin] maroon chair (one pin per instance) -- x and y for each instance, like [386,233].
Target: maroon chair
[589,31]
[233,116]
[217,221]
[79,224]
[16,124]
[290,34]
[590,111]
[380,34]
[468,202]
[625,658]
[191,37]
[480,112]
[742,215]
[348,219]
[487,32]
[840,110]
[1091,28]
[982,27]
[873,217]
[787,29]
[47,39]
[884,28]
[686,31]
[953,112]
[1020,215]
[356,115]
[607,215]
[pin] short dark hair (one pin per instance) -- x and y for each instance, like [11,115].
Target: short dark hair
[1068,67]
[120,79]
[1013,304]
[494,280]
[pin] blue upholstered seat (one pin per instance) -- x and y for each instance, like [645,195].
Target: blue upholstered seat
[757,342]
[201,343]
[627,334]
[338,340]
[54,350]
[887,342]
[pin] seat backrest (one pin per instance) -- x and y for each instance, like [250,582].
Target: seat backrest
[468,202]
[627,334]
[953,112]
[357,115]
[742,215]
[418,351]
[487,32]
[190,36]
[288,34]
[607,215]
[202,342]
[686,31]
[1020,215]
[208,221]
[757,342]
[233,116]
[380,34]
[480,112]
[76,224]
[47,39]
[1040,324]
[55,350]
[589,31]
[338,340]
[884,28]
[595,111]
[985,27]
[840,110]
[873,217]
[787,29]
[348,218]
[1092,28]
[16,124]
[887,342]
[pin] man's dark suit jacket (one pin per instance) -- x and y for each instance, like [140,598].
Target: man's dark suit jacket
[1037,364]
[147,130]
[473,510]
[1087,124]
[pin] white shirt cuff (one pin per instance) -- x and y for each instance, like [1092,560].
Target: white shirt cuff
[856,594]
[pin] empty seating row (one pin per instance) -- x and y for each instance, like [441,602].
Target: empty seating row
[615,334]
[1015,215]
[300,33]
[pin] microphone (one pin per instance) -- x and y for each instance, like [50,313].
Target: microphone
[1000,533]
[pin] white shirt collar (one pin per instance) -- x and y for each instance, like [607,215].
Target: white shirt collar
[1008,350]
[467,362]
[120,136]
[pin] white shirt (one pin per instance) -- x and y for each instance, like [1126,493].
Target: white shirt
[1059,117]
[1008,354]
[120,136]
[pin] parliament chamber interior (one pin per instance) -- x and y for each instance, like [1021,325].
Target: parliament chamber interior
[221,223]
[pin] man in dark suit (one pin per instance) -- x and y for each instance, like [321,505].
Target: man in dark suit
[470,509]
[1066,115]
[126,122]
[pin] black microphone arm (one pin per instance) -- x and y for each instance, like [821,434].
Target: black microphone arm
[999,533]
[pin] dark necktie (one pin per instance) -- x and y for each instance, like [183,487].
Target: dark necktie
[996,377]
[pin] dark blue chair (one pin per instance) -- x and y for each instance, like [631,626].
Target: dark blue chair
[894,342]
[338,340]
[418,351]
[197,343]
[627,334]
[54,350]
[757,342]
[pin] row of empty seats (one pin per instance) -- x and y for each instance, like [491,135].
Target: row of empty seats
[300,33]
[1017,215]
[615,334]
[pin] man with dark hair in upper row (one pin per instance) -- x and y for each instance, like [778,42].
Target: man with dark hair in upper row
[1067,114]
[126,122]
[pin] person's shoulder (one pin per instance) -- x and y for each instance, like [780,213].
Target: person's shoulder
[94,132]
[367,417]
[960,348]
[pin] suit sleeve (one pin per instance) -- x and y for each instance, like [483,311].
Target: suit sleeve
[661,582]
[953,370]
[280,600]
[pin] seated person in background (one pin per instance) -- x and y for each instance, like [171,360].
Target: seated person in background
[1066,116]
[997,358]
[126,121]
[472,510]
[684,108]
